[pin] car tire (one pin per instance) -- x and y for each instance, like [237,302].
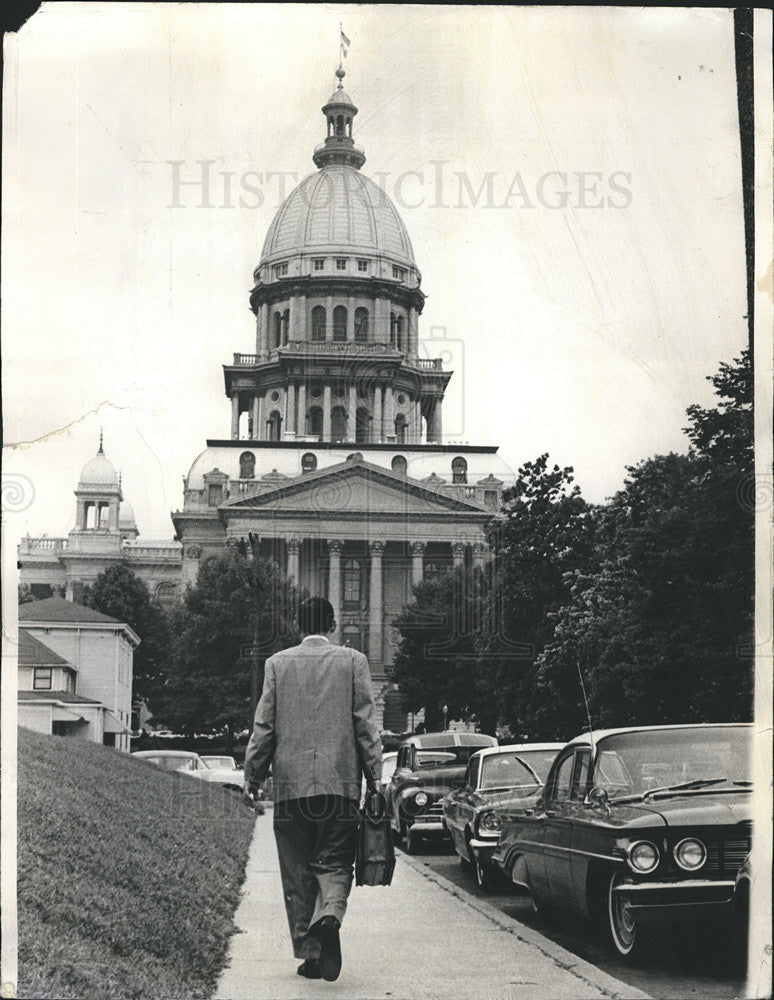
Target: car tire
[482,874]
[411,841]
[464,863]
[622,930]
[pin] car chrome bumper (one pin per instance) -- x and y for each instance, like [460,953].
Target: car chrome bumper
[479,844]
[665,895]
[427,824]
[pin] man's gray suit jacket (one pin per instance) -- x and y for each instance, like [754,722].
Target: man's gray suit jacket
[315,723]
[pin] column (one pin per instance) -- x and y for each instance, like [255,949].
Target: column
[437,436]
[381,321]
[235,417]
[334,583]
[479,555]
[375,604]
[296,318]
[415,418]
[417,562]
[290,412]
[260,331]
[326,412]
[261,427]
[458,554]
[301,424]
[351,318]
[256,430]
[293,547]
[352,421]
[389,414]
[377,433]
[329,317]
[413,334]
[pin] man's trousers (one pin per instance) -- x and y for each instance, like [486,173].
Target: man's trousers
[316,842]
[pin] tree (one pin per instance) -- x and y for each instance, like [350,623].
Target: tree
[120,593]
[236,599]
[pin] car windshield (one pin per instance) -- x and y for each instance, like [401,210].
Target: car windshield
[173,763]
[213,763]
[449,756]
[505,770]
[539,760]
[642,762]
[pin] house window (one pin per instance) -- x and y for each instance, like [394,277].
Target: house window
[277,329]
[166,594]
[490,498]
[459,470]
[319,263]
[315,421]
[247,465]
[280,270]
[318,323]
[274,426]
[354,588]
[341,263]
[340,323]
[361,326]
[362,266]
[399,465]
[432,571]
[285,326]
[352,636]
[399,273]
[214,494]
[309,461]
[41,680]
[400,429]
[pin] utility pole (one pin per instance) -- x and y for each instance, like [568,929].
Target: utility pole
[258,659]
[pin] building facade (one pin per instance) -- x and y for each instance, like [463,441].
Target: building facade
[75,672]
[336,459]
[105,534]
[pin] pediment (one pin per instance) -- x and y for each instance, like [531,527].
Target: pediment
[356,487]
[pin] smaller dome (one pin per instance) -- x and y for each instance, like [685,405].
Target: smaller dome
[99,471]
[340,97]
[126,515]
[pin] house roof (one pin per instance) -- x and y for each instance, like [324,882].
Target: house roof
[67,697]
[57,609]
[34,653]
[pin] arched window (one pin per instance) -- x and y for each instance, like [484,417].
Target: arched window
[432,571]
[349,127]
[338,423]
[399,333]
[352,636]
[399,465]
[340,323]
[400,429]
[166,594]
[247,465]
[459,470]
[340,125]
[285,326]
[354,584]
[274,426]
[103,514]
[315,421]
[318,323]
[361,326]
[277,329]
[356,456]
[393,329]
[308,462]
[362,426]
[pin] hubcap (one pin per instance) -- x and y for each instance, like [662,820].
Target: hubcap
[622,925]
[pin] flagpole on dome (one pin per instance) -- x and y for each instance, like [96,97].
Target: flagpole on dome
[344,44]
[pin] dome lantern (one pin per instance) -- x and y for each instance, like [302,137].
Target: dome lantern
[339,146]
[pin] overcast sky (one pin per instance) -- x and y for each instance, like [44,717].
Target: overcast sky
[578,330]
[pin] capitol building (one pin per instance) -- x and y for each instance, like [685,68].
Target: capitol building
[336,459]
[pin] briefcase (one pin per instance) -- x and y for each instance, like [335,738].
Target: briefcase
[375,859]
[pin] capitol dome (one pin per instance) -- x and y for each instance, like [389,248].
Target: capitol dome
[338,210]
[99,472]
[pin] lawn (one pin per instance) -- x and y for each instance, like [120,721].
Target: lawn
[128,876]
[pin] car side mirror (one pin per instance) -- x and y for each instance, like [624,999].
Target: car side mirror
[598,797]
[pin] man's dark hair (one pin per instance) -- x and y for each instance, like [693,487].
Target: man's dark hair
[315,616]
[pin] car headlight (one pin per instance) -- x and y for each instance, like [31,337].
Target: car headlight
[690,854]
[642,857]
[489,822]
[421,798]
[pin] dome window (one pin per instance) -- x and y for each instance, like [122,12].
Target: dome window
[341,263]
[399,273]
[399,465]
[459,470]
[362,266]
[277,329]
[308,462]
[247,465]
[340,323]
[319,263]
[318,323]
[280,270]
[361,326]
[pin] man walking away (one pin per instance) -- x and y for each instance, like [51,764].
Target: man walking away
[316,723]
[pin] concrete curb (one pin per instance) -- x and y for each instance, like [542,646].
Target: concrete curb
[585,971]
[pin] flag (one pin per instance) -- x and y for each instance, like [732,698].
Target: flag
[345,44]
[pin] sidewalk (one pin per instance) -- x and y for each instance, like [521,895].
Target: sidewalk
[413,940]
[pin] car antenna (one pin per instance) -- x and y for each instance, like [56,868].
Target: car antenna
[586,702]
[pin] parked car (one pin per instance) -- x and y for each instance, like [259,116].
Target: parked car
[428,767]
[215,763]
[740,909]
[636,824]
[191,763]
[495,778]
[388,769]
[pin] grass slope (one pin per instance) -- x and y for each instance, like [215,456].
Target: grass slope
[128,876]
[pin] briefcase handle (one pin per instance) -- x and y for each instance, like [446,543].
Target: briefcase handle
[374,806]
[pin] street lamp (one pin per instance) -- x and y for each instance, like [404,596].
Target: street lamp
[445,714]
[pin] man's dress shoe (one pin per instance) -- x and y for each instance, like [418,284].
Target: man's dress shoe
[310,969]
[326,930]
